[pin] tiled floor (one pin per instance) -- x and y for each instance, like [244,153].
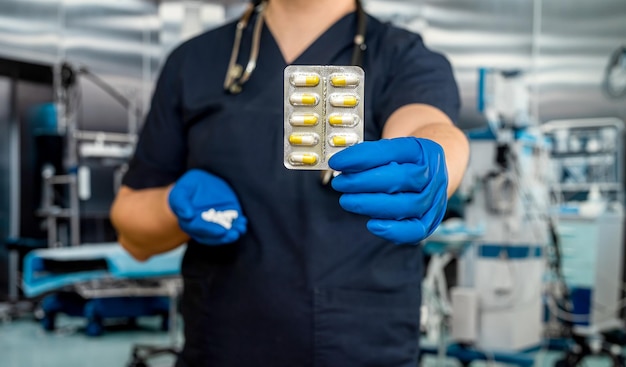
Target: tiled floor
[23,343]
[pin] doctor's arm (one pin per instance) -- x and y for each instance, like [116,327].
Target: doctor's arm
[145,224]
[199,205]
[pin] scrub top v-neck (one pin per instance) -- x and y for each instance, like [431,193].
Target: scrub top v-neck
[307,285]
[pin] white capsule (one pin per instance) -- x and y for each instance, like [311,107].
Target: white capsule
[305,80]
[343,119]
[343,140]
[344,100]
[304,99]
[304,139]
[304,119]
[299,159]
[344,80]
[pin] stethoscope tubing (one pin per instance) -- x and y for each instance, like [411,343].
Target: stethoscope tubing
[236,75]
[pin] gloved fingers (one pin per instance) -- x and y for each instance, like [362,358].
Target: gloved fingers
[213,227]
[240,224]
[237,230]
[370,154]
[390,178]
[433,217]
[187,193]
[179,200]
[408,231]
[202,230]
[217,195]
[230,237]
[388,206]
[197,177]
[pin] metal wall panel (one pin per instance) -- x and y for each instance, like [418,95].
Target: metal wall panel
[5,170]
[577,39]
[126,41]
[564,56]
[118,41]
[27,95]
[472,34]
[31,29]
[181,20]
[5,115]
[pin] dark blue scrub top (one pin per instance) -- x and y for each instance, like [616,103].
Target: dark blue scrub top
[308,285]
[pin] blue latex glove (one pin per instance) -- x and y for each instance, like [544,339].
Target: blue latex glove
[207,208]
[400,183]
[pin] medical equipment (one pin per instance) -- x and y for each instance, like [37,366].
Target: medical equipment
[506,186]
[237,76]
[587,153]
[591,262]
[323,93]
[504,269]
[84,153]
[449,241]
[103,275]
[590,222]
[614,81]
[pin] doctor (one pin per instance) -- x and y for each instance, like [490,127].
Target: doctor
[281,269]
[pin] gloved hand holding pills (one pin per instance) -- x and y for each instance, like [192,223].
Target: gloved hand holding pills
[207,208]
[401,183]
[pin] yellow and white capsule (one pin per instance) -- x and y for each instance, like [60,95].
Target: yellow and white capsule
[344,80]
[343,140]
[304,99]
[343,119]
[304,139]
[305,80]
[304,119]
[344,100]
[299,159]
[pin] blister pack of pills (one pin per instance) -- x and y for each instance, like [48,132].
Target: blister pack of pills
[323,111]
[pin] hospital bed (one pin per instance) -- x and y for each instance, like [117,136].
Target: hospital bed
[101,281]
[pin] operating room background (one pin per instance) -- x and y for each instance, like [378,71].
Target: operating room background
[562,45]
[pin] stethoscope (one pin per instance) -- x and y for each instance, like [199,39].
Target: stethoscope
[237,76]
